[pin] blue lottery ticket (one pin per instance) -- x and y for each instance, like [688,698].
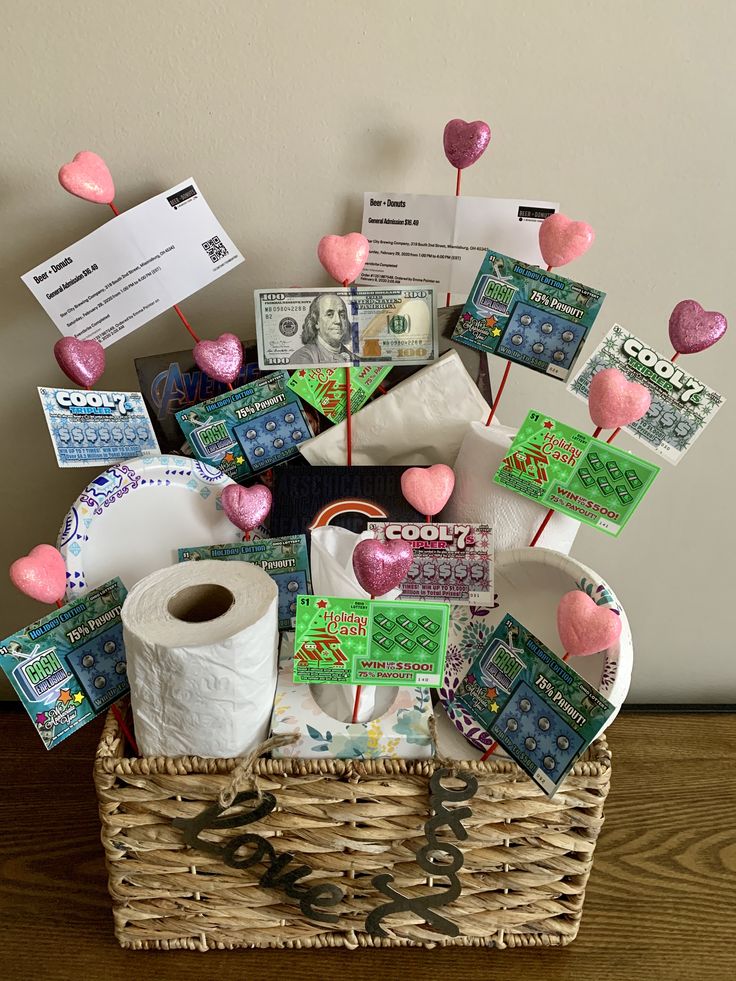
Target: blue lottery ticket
[452,562]
[97,428]
[250,429]
[70,665]
[682,406]
[284,559]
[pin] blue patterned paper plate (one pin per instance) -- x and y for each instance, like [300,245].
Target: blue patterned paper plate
[529,583]
[131,520]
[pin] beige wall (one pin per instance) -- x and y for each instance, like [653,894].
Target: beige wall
[286,112]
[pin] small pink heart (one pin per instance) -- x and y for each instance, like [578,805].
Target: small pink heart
[344,256]
[561,240]
[87,177]
[614,401]
[41,574]
[221,359]
[428,489]
[583,626]
[465,142]
[694,329]
[246,507]
[82,361]
[381,566]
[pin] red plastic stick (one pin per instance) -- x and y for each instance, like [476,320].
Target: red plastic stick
[457,195]
[358,689]
[499,393]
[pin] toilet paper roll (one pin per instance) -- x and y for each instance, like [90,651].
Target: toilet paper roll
[476,498]
[201,644]
[422,420]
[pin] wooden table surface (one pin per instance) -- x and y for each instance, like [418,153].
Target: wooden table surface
[661,901]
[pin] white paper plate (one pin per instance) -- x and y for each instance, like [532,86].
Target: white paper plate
[132,519]
[529,584]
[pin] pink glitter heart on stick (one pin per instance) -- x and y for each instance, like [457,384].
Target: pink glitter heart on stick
[464,143]
[381,566]
[221,359]
[344,256]
[41,574]
[614,401]
[82,361]
[694,329]
[428,489]
[246,507]
[87,177]
[561,240]
[583,626]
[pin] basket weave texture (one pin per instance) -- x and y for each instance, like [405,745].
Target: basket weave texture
[526,858]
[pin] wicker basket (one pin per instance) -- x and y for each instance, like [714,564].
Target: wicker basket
[526,858]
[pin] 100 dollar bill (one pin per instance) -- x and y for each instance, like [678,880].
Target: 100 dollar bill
[301,328]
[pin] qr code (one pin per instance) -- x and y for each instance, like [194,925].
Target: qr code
[215,249]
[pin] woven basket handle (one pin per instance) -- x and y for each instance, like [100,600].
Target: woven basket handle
[244,769]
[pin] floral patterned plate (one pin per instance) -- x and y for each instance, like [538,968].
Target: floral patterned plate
[132,519]
[529,583]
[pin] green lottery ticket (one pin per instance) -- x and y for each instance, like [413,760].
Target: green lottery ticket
[534,704]
[370,642]
[681,405]
[569,471]
[325,388]
[284,559]
[522,313]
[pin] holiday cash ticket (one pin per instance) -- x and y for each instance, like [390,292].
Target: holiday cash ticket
[370,642]
[569,471]
[452,562]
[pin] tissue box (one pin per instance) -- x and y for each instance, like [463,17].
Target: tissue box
[400,732]
[526,858]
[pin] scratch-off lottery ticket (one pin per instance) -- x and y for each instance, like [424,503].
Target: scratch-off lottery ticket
[534,704]
[452,562]
[248,430]
[681,405]
[326,388]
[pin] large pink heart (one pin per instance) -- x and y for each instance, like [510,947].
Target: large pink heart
[82,361]
[561,240]
[465,142]
[221,359]
[246,507]
[583,626]
[344,256]
[41,574]
[428,489]
[615,401]
[381,566]
[87,177]
[694,329]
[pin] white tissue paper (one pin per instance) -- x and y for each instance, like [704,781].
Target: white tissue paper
[201,642]
[476,498]
[331,563]
[422,420]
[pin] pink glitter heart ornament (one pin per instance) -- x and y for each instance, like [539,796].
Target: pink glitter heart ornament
[246,507]
[465,143]
[87,177]
[614,401]
[381,566]
[694,329]
[583,626]
[41,574]
[221,359]
[82,361]
[561,240]
[344,256]
[428,489]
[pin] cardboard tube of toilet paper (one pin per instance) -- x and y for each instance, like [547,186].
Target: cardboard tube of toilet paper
[201,646]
